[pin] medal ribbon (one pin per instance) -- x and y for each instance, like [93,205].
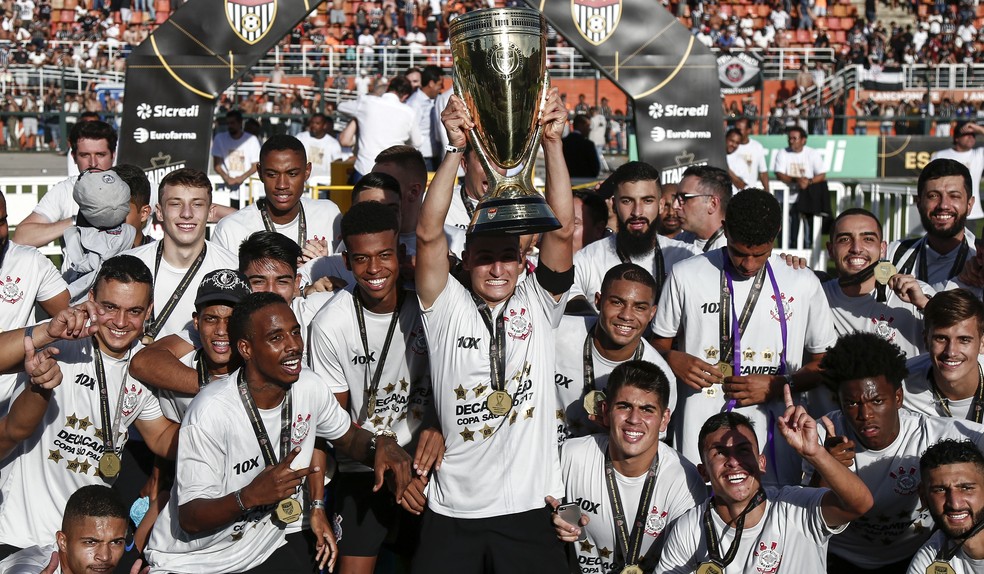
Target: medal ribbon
[714,237]
[731,327]
[371,385]
[659,266]
[155,324]
[589,378]
[920,251]
[977,408]
[110,432]
[946,552]
[262,438]
[497,343]
[714,544]
[861,277]
[269,226]
[202,369]
[628,545]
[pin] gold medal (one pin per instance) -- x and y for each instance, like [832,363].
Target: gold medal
[288,510]
[632,569]
[499,403]
[709,568]
[371,405]
[940,567]
[146,339]
[884,271]
[109,465]
[726,369]
[592,402]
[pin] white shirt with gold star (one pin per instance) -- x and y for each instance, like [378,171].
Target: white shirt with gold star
[690,305]
[582,464]
[337,356]
[792,533]
[219,455]
[919,396]
[63,453]
[898,523]
[961,563]
[572,420]
[494,465]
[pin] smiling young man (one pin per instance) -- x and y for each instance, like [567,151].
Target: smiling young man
[492,365]
[858,301]
[947,381]
[758,528]
[636,203]
[81,441]
[588,348]
[283,169]
[181,259]
[952,488]
[246,448]
[628,463]
[747,325]
[879,441]
[944,198]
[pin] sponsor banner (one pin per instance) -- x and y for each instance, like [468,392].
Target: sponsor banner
[844,157]
[739,73]
[174,77]
[905,156]
[896,96]
[671,78]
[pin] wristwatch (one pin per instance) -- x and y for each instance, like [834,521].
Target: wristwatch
[317,504]
[451,149]
[379,433]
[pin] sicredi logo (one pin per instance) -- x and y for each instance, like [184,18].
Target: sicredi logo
[657,110]
[659,134]
[145,111]
[141,135]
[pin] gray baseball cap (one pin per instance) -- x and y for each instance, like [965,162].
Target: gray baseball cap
[103,198]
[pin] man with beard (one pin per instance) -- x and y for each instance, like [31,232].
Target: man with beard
[944,199]
[636,205]
[879,441]
[947,381]
[953,489]
[859,302]
[700,205]
[667,222]
[963,151]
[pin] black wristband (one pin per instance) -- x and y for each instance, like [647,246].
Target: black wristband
[555,283]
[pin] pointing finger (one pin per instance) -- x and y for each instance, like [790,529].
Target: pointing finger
[828,426]
[787,395]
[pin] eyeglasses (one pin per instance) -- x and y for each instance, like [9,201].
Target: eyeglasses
[683,198]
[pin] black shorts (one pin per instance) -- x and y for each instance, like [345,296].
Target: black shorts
[365,520]
[291,558]
[511,544]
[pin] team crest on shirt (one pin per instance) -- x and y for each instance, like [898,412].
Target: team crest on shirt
[10,291]
[906,482]
[655,522]
[300,429]
[418,341]
[520,326]
[767,559]
[787,301]
[883,327]
[131,395]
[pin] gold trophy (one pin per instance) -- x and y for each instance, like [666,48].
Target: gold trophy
[500,74]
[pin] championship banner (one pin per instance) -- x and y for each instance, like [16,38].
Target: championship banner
[906,156]
[671,78]
[174,78]
[739,73]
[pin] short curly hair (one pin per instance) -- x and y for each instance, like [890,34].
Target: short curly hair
[863,355]
[753,217]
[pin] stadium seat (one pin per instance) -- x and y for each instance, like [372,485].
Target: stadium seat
[320,21]
[839,37]
[66,16]
[57,4]
[804,37]
[162,16]
[162,5]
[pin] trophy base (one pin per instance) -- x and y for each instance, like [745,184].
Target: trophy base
[513,216]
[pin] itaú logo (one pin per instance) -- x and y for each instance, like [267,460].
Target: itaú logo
[657,110]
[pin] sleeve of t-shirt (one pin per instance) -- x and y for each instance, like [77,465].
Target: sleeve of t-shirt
[333,420]
[763,165]
[669,315]
[350,107]
[924,556]
[779,162]
[49,279]
[802,507]
[252,151]
[218,150]
[581,270]
[150,406]
[324,357]
[553,309]
[820,334]
[56,205]
[199,464]
[334,150]
[817,162]
[222,235]
[680,546]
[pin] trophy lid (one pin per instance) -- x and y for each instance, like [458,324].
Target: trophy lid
[495,19]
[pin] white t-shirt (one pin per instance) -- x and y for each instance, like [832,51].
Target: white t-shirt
[960,562]
[493,465]
[337,356]
[939,265]
[458,213]
[58,204]
[690,306]
[593,261]
[918,395]
[167,279]
[582,465]
[63,453]
[792,532]
[898,522]
[748,162]
[807,163]
[322,219]
[321,152]
[422,106]
[572,420]
[174,405]
[894,320]
[29,560]
[384,121]
[238,155]
[974,160]
[219,454]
